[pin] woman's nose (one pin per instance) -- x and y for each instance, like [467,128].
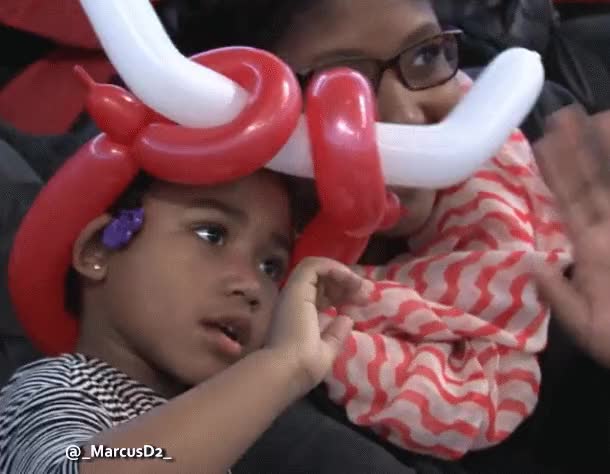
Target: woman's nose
[398,104]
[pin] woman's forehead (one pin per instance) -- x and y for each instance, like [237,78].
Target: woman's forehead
[372,28]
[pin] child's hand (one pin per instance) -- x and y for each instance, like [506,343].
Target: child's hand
[295,335]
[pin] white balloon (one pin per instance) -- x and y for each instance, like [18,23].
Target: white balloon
[431,156]
[154,70]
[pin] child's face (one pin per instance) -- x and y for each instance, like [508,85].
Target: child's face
[207,261]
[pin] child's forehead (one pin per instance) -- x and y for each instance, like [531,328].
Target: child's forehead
[258,199]
[259,185]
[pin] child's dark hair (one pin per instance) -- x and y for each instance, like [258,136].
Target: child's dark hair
[200,25]
[130,199]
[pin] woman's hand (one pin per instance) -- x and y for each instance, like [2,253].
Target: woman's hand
[574,158]
[295,335]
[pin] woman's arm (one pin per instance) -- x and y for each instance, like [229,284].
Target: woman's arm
[573,158]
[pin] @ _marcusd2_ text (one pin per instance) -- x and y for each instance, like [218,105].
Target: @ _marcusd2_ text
[99,451]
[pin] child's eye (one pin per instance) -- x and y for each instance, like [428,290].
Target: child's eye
[214,234]
[275,268]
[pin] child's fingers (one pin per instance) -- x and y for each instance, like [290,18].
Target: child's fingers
[343,286]
[335,335]
[361,294]
[344,280]
[307,279]
[325,283]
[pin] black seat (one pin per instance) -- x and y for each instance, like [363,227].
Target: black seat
[19,185]
[578,61]
[26,162]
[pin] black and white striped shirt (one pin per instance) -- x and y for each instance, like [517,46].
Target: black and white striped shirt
[53,403]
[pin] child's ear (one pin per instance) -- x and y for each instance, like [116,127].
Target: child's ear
[89,255]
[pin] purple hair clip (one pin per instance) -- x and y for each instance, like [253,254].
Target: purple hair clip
[121,229]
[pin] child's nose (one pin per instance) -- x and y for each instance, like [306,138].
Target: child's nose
[244,282]
[250,296]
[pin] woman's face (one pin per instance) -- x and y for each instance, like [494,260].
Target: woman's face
[380,29]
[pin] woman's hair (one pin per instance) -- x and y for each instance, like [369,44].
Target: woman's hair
[201,25]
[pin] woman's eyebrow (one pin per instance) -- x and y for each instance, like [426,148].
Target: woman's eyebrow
[422,32]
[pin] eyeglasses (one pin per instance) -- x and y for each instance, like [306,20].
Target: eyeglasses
[429,63]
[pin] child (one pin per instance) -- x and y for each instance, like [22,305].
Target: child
[174,310]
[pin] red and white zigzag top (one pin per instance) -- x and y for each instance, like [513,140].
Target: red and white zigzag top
[443,360]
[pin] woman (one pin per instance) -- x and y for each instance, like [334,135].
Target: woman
[314,35]
[404,36]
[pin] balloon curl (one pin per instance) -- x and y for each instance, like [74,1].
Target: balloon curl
[341,119]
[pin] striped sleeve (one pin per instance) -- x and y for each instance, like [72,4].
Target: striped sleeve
[40,420]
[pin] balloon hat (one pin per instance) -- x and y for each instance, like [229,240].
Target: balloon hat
[227,113]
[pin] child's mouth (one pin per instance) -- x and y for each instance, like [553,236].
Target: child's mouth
[223,340]
[229,335]
[228,331]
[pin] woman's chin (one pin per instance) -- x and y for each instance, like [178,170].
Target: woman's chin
[419,204]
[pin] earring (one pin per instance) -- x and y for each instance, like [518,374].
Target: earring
[97,267]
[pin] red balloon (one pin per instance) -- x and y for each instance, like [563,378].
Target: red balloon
[393,211]
[322,238]
[341,120]
[115,111]
[84,188]
[213,155]
[341,117]
[349,180]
